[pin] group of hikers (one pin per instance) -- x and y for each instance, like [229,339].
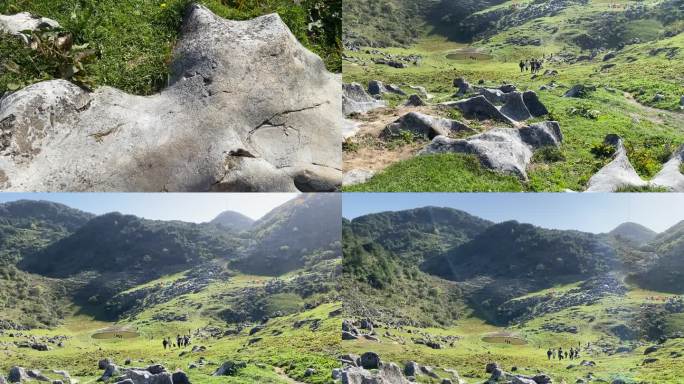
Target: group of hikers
[181,341]
[532,65]
[559,353]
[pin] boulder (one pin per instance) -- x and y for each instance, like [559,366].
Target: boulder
[356,100]
[422,92]
[650,360]
[414,101]
[229,368]
[248,108]
[109,371]
[670,176]
[494,96]
[156,369]
[353,177]
[533,104]
[480,108]
[618,173]
[491,367]
[651,349]
[370,360]
[579,90]
[507,150]
[18,23]
[180,377]
[542,379]
[2,380]
[17,375]
[508,88]
[411,369]
[349,336]
[462,85]
[423,125]
[37,375]
[515,107]
[350,128]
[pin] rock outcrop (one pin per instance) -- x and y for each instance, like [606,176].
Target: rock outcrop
[671,175]
[507,150]
[480,108]
[356,100]
[248,109]
[424,125]
[24,21]
[357,176]
[618,173]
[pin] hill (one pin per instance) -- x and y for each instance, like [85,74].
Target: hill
[634,233]
[416,234]
[282,240]
[665,274]
[234,221]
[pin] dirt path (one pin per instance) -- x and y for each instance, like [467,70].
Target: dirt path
[655,115]
[285,377]
[372,154]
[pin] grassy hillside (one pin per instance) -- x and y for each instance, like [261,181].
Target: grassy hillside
[128,44]
[637,94]
[514,292]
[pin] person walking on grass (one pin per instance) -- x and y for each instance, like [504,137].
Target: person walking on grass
[522,66]
[549,353]
[165,343]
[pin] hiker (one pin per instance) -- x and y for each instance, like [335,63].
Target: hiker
[549,353]
[560,353]
[522,66]
[566,354]
[165,343]
[178,340]
[186,339]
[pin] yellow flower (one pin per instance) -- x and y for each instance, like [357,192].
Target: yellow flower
[162,5]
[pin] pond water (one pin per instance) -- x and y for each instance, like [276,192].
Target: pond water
[115,334]
[468,54]
[504,339]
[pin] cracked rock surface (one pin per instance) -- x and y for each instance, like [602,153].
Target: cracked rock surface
[507,150]
[248,108]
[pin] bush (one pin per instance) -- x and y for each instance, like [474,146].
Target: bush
[602,151]
[548,154]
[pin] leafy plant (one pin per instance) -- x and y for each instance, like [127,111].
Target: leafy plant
[602,150]
[548,154]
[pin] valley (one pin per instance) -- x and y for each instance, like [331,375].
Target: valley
[97,298]
[625,54]
[494,302]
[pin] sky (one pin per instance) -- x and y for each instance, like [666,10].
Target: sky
[589,212]
[191,207]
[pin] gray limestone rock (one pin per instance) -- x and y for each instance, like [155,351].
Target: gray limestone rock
[248,109]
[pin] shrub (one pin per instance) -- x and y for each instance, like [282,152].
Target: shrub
[602,151]
[548,154]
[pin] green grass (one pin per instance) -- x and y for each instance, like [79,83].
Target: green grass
[132,40]
[645,188]
[282,347]
[650,135]
[436,173]
[470,353]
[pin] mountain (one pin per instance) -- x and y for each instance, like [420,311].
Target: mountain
[417,234]
[633,233]
[234,221]
[117,242]
[304,227]
[666,274]
[514,250]
[45,212]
